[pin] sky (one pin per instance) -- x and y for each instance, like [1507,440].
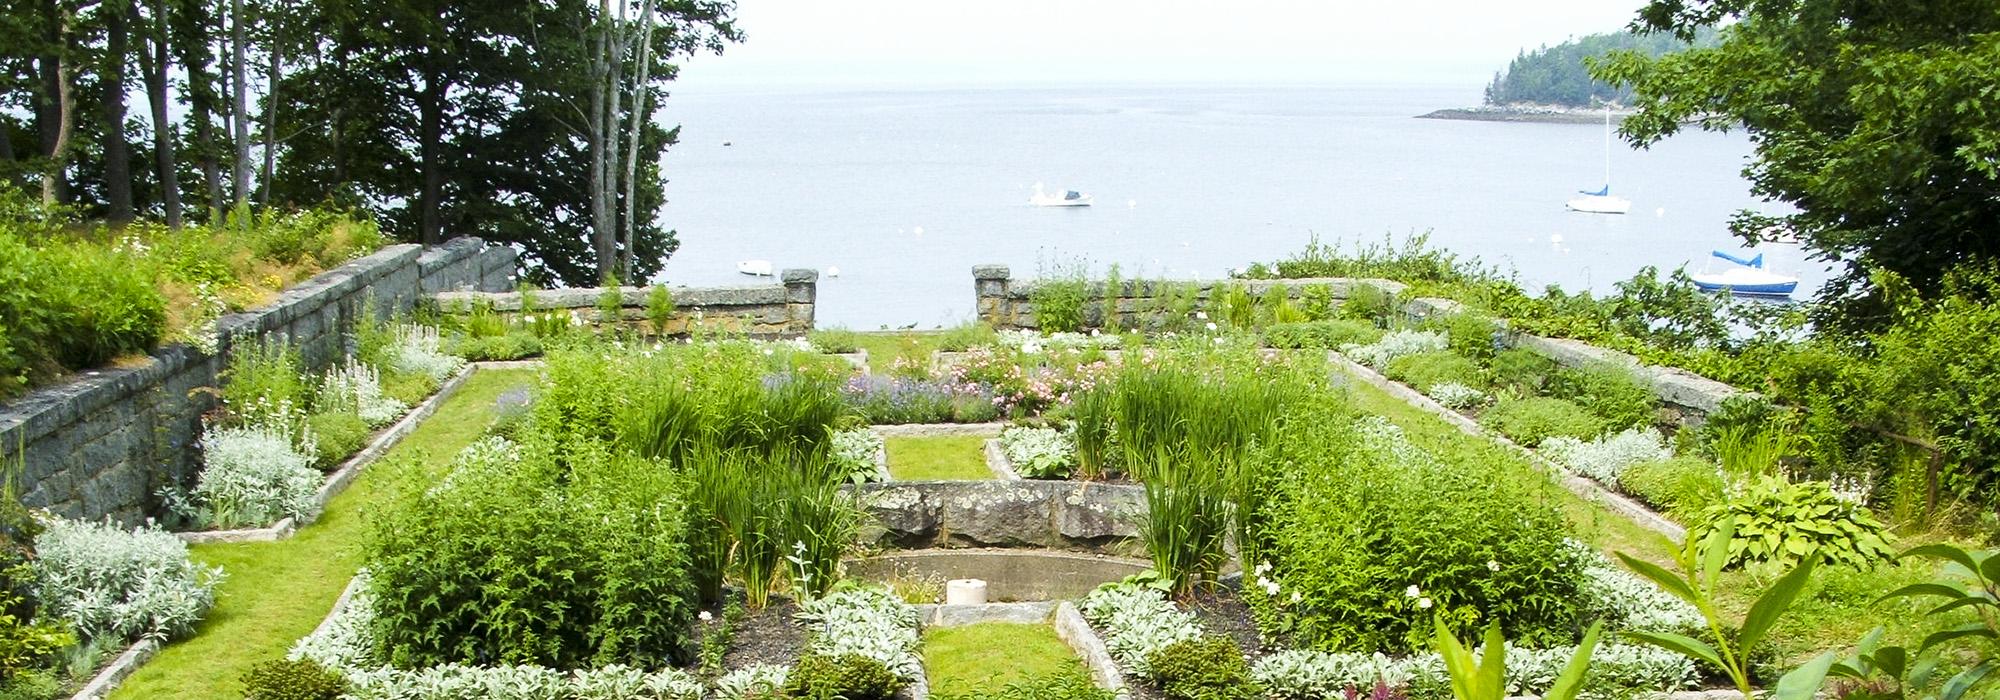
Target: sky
[892,42]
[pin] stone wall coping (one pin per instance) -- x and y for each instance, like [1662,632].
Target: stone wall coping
[938,429]
[1023,290]
[629,297]
[997,461]
[338,481]
[938,615]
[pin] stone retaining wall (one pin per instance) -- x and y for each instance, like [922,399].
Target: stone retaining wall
[104,444]
[1007,303]
[780,310]
[1085,516]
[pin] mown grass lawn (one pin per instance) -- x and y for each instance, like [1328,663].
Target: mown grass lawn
[980,658]
[279,591]
[1833,613]
[952,457]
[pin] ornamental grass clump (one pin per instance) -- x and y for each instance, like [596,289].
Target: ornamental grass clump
[118,585]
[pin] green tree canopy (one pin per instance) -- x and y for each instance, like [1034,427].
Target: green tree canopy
[1556,75]
[1879,122]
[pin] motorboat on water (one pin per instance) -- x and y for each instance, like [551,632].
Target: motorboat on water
[1602,201]
[758,268]
[1746,278]
[1068,198]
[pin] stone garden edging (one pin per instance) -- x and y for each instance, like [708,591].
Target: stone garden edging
[1582,486]
[339,479]
[997,461]
[938,429]
[1073,630]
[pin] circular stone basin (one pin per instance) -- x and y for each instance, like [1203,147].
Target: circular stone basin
[1010,574]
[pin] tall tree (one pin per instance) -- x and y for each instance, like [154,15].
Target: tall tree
[117,153]
[239,103]
[1877,122]
[154,63]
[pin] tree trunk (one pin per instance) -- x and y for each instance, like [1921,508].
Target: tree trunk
[272,76]
[641,112]
[196,54]
[6,141]
[48,100]
[601,231]
[430,108]
[239,107]
[117,152]
[153,63]
[54,181]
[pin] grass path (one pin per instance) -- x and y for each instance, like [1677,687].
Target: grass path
[956,457]
[980,658]
[279,591]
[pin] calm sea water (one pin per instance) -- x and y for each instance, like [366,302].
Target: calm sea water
[904,191]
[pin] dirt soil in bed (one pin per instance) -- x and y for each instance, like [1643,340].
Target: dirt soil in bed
[767,636]
[1222,612]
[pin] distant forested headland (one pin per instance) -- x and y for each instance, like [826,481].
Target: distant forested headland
[1556,75]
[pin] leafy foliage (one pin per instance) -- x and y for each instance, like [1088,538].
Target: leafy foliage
[1532,420]
[292,680]
[1320,335]
[1683,487]
[1780,522]
[1558,75]
[1611,392]
[843,677]
[1485,678]
[119,585]
[1426,370]
[1209,668]
[1039,453]
[1971,579]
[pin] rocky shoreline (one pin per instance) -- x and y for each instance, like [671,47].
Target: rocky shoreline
[1539,114]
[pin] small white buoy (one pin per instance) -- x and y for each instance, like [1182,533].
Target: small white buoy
[1131,204]
[918,230]
[833,270]
[1662,211]
[965,591]
[1556,238]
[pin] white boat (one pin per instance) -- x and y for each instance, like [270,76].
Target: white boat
[1602,201]
[759,268]
[1068,198]
[1746,278]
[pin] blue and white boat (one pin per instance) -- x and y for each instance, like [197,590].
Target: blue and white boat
[1747,278]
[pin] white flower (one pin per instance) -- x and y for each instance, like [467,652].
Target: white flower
[706,617]
[1263,568]
[1492,565]
[1202,315]
[1093,332]
[1031,348]
[768,352]
[1270,586]
[1211,326]
[1296,597]
[799,546]
[1424,602]
[1412,591]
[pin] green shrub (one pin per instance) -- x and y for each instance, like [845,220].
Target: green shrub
[1366,536]
[966,336]
[71,305]
[292,680]
[411,389]
[834,340]
[336,435]
[611,304]
[1471,334]
[1317,302]
[1059,295]
[1783,523]
[27,646]
[1682,487]
[843,677]
[1521,372]
[1531,420]
[1428,369]
[1367,302]
[1209,668]
[1612,392]
[659,308]
[1321,335]
[322,237]
[32,685]
[265,382]
[510,346]
[464,572]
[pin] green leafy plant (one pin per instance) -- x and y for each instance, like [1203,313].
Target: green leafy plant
[1209,668]
[1531,420]
[1521,372]
[1701,562]
[1317,302]
[966,336]
[842,677]
[1970,581]
[1612,392]
[1426,370]
[1776,521]
[659,308]
[834,340]
[1060,295]
[1367,302]
[266,383]
[1681,486]
[292,680]
[610,303]
[1485,677]
[1321,335]
[1471,334]
[335,436]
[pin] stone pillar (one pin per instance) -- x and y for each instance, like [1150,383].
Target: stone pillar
[801,294]
[989,288]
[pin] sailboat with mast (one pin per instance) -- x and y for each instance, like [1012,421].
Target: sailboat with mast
[1602,201]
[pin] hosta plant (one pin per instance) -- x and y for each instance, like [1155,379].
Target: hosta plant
[854,453]
[1781,522]
[1039,453]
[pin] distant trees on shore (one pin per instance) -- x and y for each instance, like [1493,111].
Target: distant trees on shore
[1556,75]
